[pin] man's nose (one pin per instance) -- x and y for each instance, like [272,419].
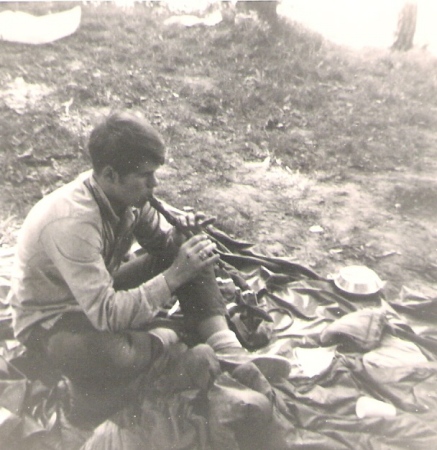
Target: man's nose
[152,182]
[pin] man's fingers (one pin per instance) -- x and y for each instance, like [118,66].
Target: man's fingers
[207,250]
[196,239]
[214,257]
[204,223]
[197,220]
[184,221]
[201,250]
[205,245]
[190,220]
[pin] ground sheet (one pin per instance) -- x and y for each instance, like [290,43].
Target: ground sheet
[341,348]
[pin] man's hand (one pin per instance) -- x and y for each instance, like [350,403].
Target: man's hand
[189,225]
[194,255]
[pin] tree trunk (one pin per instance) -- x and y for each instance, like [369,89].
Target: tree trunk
[266,10]
[406,27]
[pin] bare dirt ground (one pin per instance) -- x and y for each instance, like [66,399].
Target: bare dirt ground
[386,221]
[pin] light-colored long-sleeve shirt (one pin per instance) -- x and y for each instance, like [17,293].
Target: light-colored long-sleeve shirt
[69,246]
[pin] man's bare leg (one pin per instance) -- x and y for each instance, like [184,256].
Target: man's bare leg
[215,332]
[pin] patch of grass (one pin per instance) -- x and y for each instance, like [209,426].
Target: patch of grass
[219,95]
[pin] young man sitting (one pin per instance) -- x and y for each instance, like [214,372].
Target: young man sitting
[78,304]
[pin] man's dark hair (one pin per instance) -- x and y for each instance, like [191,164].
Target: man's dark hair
[123,141]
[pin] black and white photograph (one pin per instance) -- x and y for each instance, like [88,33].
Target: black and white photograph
[218,225]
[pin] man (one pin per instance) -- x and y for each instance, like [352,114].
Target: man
[78,303]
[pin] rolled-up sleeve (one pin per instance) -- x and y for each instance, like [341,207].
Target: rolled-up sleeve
[76,252]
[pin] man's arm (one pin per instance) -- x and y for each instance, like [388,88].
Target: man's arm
[76,253]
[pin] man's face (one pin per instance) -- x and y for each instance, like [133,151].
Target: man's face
[136,188]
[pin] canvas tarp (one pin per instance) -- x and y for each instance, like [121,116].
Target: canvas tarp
[340,349]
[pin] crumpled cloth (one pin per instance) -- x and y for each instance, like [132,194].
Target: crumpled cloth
[385,350]
[363,328]
[195,410]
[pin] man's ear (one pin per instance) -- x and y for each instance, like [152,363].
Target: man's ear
[110,175]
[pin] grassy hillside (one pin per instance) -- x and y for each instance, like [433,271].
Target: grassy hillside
[222,96]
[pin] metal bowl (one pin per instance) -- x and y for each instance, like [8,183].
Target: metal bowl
[358,280]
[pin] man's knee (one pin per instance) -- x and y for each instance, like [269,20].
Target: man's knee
[132,350]
[102,355]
